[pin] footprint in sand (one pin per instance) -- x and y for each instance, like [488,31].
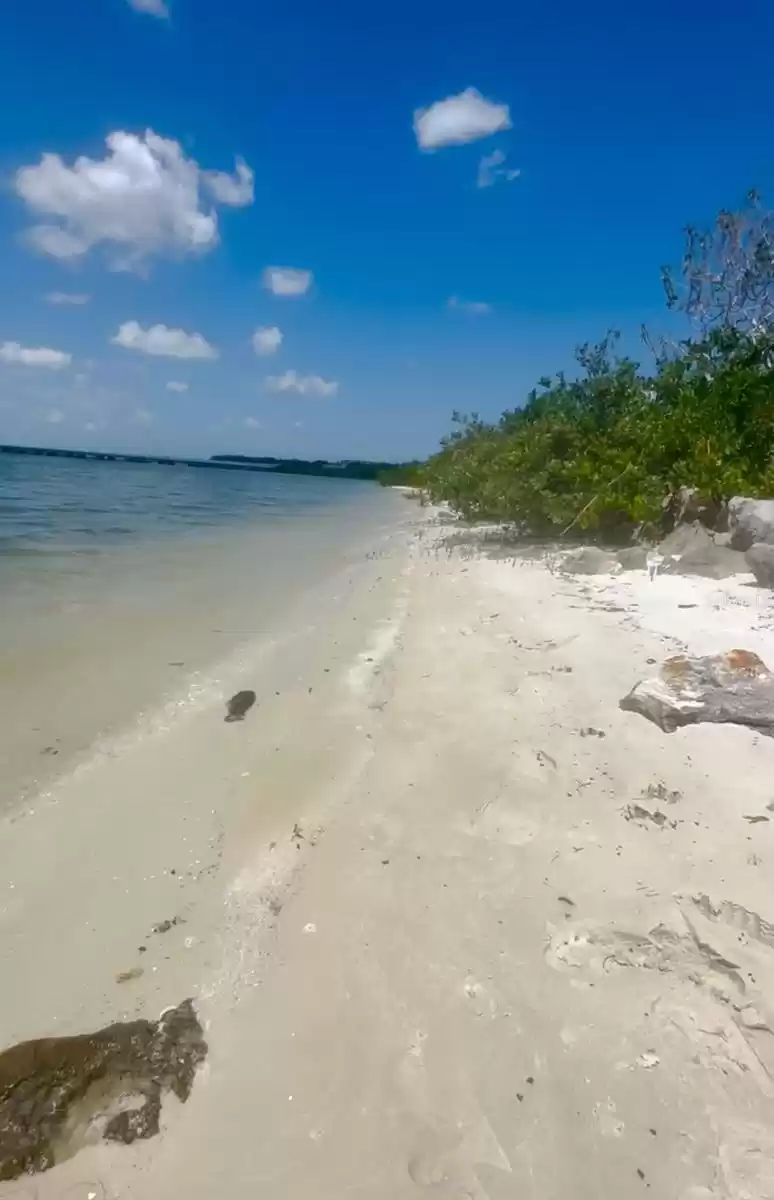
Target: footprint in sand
[447,1161]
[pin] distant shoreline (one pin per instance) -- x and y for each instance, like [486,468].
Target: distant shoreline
[346,469]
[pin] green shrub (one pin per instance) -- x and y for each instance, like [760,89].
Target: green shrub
[599,454]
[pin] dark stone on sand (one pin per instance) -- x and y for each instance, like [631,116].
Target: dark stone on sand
[735,687]
[238,705]
[53,1091]
[760,560]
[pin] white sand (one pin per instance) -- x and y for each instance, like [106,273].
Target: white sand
[472,974]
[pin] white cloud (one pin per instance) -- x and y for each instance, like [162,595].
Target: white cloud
[287,281]
[476,307]
[142,199]
[490,169]
[305,385]
[235,190]
[252,423]
[459,119]
[40,356]
[163,342]
[55,416]
[267,339]
[67,298]
[156,8]
[174,385]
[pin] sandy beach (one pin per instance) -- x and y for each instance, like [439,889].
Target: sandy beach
[452,921]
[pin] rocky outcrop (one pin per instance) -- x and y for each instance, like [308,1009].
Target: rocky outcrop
[760,560]
[56,1092]
[735,687]
[750,521]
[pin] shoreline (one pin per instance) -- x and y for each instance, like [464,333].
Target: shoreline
[441,939]
[97,643]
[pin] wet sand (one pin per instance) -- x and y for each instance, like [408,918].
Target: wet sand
[434,934]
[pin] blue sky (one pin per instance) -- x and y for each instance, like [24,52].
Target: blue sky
[417,291]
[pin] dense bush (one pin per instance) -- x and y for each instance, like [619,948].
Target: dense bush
[601,452]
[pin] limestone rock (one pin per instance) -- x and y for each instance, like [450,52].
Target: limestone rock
[633,558]
[54,1092]
[760,560]
[735,687]
[686,538]
[709,562]
[590,560]
[750,521]
[693,550]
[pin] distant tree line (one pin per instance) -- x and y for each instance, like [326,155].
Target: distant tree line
[600,453]
[351,469]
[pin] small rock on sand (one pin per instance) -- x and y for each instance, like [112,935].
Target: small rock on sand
[238,705]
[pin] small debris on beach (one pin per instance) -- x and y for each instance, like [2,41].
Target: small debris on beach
[128,976]
[643,816]
[165,926]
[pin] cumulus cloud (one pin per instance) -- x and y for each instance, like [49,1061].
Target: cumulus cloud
[39,356]
[175,385]
[156,8]
[55,416]
[163,342]
[267,339]
[144,198]
[304,385]
[490,169]
[67,298]
[459,119]
[252,423]
[476,307]
[235,190]
[287,281]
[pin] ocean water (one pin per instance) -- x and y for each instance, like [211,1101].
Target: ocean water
[119,582]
